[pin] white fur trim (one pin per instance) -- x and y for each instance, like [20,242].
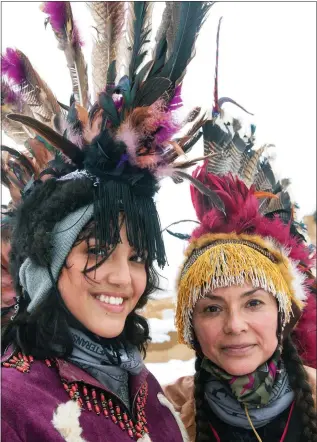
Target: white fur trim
[145,438]
[66,421]
[298,282]
[166,403]
[298,278]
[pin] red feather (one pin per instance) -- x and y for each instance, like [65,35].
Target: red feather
[304,335]
[242,214]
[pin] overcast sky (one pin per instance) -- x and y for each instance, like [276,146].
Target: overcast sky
[267,64]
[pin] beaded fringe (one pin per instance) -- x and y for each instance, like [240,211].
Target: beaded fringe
[227,261]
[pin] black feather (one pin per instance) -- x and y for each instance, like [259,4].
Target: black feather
[151,90]
[192,16]
[182,236]
[141,33]
[111,74]
[67,147]
[159,57]
[214,199]
[139,79]
[63,106]
[107,104]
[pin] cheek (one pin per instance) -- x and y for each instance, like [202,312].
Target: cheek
[71,284]
[265,326]
[138,277]
[207,333]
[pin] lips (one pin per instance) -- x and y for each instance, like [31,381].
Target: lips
[229,347]
[238,350]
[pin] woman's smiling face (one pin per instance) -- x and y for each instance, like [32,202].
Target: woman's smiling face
[236,327]
[103,298]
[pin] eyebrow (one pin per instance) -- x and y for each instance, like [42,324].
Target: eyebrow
[243,295]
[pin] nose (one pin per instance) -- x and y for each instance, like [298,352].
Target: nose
[116,271]
[235,323]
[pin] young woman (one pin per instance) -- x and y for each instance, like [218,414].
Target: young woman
[86,234]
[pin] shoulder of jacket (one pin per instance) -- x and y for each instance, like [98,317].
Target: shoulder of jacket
[181,392]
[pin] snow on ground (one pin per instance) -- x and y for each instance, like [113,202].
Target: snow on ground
[168,372]
[159,328]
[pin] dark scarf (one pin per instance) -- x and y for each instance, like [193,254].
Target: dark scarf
[99,363]
[266,392]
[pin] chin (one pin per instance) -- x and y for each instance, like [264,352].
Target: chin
[110,330]
[242,368]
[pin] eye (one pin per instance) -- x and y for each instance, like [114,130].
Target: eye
[138,259]
[254,303]
[102,253]
[212,309]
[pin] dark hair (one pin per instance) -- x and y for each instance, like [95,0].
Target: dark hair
[45,333]
[303,392]
[299,383]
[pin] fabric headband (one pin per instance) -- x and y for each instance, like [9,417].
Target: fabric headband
[35,279]
[222,260]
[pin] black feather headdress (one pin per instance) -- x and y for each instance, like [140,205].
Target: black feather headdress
[127,140]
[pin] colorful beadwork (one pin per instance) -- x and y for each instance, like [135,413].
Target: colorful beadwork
[92,399]
[88,398]
[20,362]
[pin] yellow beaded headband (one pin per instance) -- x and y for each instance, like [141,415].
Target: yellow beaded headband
[222,260]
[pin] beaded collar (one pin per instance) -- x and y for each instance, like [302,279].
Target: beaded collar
[93,397]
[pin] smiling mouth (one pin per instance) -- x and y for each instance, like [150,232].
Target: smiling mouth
[111,304]
[112,300]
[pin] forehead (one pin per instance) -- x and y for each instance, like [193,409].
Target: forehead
[235,293]
[233,290]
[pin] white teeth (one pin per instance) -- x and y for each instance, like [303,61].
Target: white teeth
[114,300]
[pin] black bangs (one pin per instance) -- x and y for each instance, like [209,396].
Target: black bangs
[116,202]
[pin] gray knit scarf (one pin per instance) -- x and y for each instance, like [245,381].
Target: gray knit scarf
[92,357]
[227,408]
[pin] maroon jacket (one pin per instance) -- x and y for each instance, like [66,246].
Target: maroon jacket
[30,401]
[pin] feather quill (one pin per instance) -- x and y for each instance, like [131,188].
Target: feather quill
[109,20]
[61,19]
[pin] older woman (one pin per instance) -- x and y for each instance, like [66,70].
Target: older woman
[243,287]
[240,294]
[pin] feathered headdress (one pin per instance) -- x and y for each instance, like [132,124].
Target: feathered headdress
[127,139]
[253,239]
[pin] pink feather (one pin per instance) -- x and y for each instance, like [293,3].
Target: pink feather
[57,14]
[12,66]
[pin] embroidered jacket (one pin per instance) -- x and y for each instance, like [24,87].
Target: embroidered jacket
[181,395]
[36,407]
